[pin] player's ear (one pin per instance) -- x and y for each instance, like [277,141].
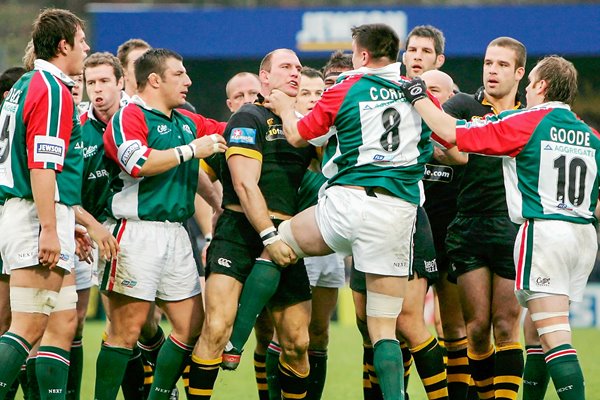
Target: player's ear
[63,47]
[439,61]
[154,80]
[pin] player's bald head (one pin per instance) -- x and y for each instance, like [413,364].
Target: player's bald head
[439,83]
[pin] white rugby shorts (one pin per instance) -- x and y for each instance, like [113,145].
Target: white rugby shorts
[326,271]
[86,275]
[20,248]
[553,258]
[155,261]
[376,231]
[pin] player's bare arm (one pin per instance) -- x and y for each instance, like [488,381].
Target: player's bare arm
[160,161]
[451,156]
[108,247]
[441,123]
[245,174]
[283,105]
[43,184]
[208,191]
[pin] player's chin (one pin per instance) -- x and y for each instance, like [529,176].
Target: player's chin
[291,91]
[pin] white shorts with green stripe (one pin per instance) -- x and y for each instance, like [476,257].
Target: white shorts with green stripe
[553,258]
[155,261]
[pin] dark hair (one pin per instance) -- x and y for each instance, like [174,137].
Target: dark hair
[265,64]
[128,46]
[379,40]
[338,61]
[514,45]
[105,58]
[152,61]
[311,73]
[9,77]
[560,76]
[431,32]
[50,27]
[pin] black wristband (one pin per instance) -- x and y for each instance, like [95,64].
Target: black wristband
[180,154]
[269,235]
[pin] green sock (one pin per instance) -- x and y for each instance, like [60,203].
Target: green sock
[32,390]
[110,369]
[260,373]
[429,359]
[259,287]
[52,370]
[535,376]
[133,384]
[293,384]
[75,369]
[169,365]
[12,392]
[318,372]
[13,352]
[566,373]
[387,360]
[273,354]
[151,348]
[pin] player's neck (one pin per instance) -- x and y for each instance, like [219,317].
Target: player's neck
[504,103]
[155,101]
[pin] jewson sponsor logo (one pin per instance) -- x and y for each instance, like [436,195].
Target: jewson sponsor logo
[47,148]
[128,152]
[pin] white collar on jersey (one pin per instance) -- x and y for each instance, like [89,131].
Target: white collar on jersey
[390,72]
[552,104]
[125,99]
[43,65]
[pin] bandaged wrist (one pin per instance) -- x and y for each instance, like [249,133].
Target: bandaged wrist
[185,153]
[269,236]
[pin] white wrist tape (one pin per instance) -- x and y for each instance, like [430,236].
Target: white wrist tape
[185,153]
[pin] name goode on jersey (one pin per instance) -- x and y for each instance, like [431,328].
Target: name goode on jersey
[570,136]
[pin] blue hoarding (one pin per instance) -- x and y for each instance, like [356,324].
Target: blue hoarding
[218,33]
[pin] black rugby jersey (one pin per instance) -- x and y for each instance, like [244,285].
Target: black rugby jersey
[481,191]
[256,132]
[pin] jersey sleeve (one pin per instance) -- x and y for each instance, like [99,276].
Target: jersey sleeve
[502,135]
[126,139]
[48,116]
[322,117]
[205,126]
[244,136]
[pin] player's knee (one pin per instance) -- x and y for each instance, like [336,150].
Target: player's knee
[319,336]
[294,348]
[478,331]
[216,329]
